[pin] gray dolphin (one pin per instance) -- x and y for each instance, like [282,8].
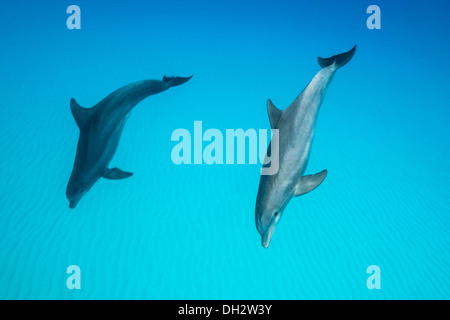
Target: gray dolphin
[100,131]
[296,130]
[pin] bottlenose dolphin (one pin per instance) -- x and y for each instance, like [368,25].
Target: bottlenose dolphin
[100,131]
[296,130]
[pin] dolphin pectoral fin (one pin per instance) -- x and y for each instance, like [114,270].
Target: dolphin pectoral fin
[116,173]
[274,114]
[309,183]
[80,114]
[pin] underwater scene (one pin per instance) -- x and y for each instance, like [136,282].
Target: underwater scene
[135,156]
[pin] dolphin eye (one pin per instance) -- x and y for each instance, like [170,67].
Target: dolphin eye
[82,190]
[275,214]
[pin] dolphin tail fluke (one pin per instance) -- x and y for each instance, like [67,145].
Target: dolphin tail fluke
[340,59]
[176,81]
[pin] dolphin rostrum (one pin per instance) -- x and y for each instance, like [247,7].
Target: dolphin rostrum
[295,126]
[100,131]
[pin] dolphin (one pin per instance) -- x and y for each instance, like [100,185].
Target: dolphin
[295,126]
[100,131]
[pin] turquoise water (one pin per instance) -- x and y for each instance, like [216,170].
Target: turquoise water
[188,232]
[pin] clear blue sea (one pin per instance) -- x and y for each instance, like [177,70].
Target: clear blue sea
[188,231]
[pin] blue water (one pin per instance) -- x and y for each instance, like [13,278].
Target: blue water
[188,232]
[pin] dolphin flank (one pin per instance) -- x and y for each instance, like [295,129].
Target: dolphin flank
[296,130]
[100,131]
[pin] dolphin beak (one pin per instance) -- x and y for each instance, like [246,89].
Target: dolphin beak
[73,204]
[267,236]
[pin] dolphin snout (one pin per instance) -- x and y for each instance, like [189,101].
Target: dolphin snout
[73,204]
[266,237]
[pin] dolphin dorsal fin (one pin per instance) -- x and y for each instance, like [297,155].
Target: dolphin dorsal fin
[309,183]
[274,114]
[80,114]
